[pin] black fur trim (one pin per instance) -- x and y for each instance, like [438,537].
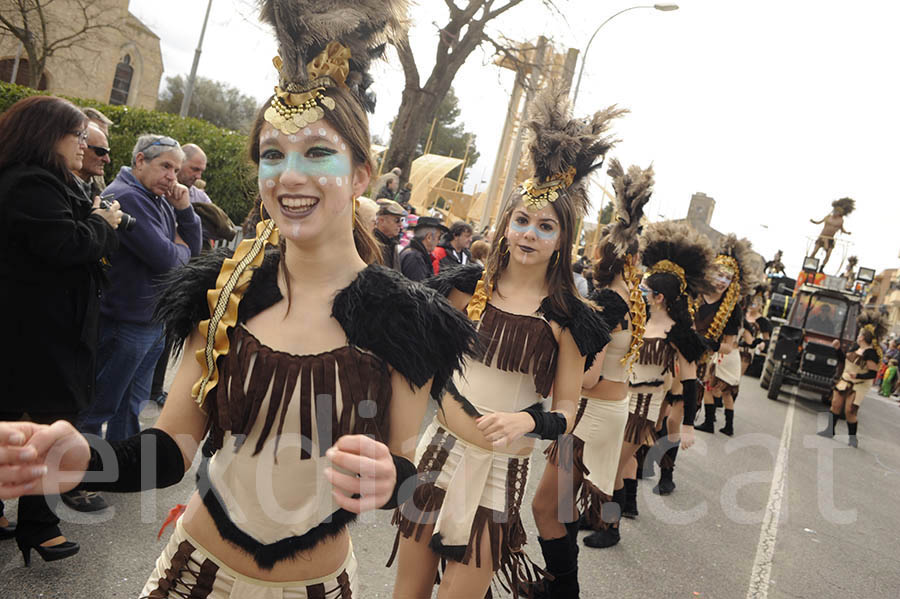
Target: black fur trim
[411,327]
[451,552]
[614,308]
[462,278]
[586,324]
[467,405]
[687,341]
[266,555]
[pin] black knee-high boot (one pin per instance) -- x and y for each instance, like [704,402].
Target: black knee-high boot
[611,513]
[728,429]
[717,401]
[851,431]
[709,423]
[629,507]
[561,558]
[828,431]
[666,484]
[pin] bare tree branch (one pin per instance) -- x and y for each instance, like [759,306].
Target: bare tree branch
[408,61]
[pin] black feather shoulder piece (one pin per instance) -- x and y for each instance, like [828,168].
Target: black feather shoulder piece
[586,324]
[611,304]
[687,341]
[408,325]
[462,278]
[183,304]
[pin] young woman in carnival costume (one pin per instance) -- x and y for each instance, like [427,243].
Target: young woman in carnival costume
[719,317]
[313,362]
[677,260]
[860,368]
[757,329]
[581,470]
[534,335]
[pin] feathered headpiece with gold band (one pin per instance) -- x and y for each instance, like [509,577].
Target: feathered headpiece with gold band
[232,282]
[844,205]
[874,322]
[736,257]
[677,250]
[322,45]
[633,190]
[563,151]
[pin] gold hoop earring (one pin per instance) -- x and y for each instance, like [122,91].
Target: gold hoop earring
[503,252]
[262,210]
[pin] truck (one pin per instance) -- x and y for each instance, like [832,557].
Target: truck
[802,352]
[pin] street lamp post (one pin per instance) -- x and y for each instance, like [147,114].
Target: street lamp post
[662,7]
[189,85]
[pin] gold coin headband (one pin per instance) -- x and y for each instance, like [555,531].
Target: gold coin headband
[295,106]
[538,195]
[728,262]
[667,266]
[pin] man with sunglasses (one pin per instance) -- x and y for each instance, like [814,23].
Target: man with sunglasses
[96,157]
[166,234]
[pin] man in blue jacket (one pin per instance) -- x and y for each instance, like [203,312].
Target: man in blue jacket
[166,235]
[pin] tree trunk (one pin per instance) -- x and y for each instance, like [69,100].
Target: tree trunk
[417,109]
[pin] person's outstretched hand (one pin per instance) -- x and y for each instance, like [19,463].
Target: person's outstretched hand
[40,459]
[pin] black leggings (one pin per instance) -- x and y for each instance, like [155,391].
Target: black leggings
[36,522]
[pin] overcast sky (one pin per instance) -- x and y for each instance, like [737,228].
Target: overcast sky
[775,108]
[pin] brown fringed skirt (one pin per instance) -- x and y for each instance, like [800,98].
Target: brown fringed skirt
[593,450]
[643,411]
[464,492]
[186,569]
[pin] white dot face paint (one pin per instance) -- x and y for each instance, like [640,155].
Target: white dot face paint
[343,146]
[339,181]
[323,133]
[270,183]
[307,132]
[292,138]
[323,180]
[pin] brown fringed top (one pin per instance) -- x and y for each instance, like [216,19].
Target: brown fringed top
[655,364]
[518,343]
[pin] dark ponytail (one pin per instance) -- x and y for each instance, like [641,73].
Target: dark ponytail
[676,302]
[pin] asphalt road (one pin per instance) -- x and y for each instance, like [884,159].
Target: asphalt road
[827,527]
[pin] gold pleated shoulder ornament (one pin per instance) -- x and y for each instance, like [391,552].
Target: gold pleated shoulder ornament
[233,280]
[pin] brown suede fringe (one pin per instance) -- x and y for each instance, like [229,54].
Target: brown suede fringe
[364,378]
[638,428]
[520,343]
[512,567]
[719,386]
[658,351]
[205,575]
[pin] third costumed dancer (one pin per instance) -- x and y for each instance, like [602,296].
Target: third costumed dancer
[534,335]
[677,260]
[719,317]
[593,447]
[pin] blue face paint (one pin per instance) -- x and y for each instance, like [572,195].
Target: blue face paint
[546,235]
[326,165]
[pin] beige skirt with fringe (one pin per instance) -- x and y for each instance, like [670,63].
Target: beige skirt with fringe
[466,491]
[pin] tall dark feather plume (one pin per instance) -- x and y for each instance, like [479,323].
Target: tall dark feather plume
[559,141]
[751,266]
[633,191]
[876,319]
[682,245]
[304,27]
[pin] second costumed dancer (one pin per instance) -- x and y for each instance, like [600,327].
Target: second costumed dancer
[534,335]
[594,445]
[677,260]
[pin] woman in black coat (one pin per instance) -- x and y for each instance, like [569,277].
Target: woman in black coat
[52,242]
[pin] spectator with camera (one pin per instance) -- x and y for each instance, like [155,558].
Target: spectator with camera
[166,234]
[52,240]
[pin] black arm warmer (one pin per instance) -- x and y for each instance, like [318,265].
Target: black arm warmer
[690,392]
[547,425]
[869,374]
[149,460]
[714,344]
[405,485]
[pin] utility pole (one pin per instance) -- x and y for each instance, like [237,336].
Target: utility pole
[189,85]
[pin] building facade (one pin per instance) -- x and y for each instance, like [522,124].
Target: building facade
[117,62]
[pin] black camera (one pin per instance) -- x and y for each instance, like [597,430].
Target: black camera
[127,222]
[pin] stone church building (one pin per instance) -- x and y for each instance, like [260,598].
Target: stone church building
[119,63]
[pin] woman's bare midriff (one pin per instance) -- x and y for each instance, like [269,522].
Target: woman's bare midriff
[463,426]
[607,391]
[323,559]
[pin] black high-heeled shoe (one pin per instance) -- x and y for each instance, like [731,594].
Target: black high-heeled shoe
[48,554]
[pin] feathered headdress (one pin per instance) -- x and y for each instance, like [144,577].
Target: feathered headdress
[874,322]
[564,150]
[326,44]
[678,250]
[633,190]
[844,205]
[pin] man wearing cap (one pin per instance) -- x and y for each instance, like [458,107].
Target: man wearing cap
[415,261]
[388,225]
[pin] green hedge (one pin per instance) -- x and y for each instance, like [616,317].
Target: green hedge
[230,177]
